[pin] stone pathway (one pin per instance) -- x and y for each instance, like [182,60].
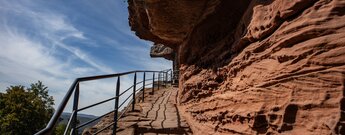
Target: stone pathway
[158,114]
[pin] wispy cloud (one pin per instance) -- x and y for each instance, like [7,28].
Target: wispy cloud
[54,29]
[38,43]
[30,55]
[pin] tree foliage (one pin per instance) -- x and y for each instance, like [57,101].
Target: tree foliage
[60,129]
[25,111]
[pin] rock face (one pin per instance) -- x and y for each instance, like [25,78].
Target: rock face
[164,21]
[253,66]
[159,50]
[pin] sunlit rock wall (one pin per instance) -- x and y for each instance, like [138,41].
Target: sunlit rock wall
[253,66]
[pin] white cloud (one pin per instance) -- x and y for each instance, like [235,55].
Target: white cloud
[55,29]
[25,59]
[28,56]
[141,55]
[146,61]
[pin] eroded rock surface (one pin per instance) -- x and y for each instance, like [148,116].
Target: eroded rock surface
[164,21]
[159,50]
[254,66]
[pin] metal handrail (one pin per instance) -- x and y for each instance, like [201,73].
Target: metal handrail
[101,102]
[125,100]
[74,88]
[90,121]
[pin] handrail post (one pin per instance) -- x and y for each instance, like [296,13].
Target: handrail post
[159,74]
[153,83]
[166,78]
[171,77]
[144,86]
[74,130]
[134,88]
[163,79]
[117,93]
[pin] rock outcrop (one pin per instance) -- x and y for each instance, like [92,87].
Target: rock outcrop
[164,21]
[253,66]
[159,50]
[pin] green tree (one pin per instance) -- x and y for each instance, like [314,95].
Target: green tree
[60,129]
[43,102]
[25,111]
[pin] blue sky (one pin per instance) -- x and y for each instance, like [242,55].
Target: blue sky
[56,41]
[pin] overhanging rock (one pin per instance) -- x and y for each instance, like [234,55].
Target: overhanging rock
[159,50]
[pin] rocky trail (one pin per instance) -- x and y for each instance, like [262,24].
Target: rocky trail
[158,114]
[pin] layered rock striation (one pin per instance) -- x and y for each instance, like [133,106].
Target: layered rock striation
[253,66]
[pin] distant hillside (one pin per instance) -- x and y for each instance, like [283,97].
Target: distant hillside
[81,117]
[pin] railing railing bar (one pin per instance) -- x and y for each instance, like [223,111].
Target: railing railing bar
[139,89]
[144,81]
[116,107]
[72,131]
[151,79]
[158,80]
[139,82]
[89,78]
[134,89]
[48,129]
[125,100]
[59,111]
[148,79]
[75,108]
[125,91]
[123,112]
[69,122]
[148,84]
[104,101]
[153,83]
[90,121]
[99,131]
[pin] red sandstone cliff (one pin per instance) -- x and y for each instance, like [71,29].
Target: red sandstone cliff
[253,66]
